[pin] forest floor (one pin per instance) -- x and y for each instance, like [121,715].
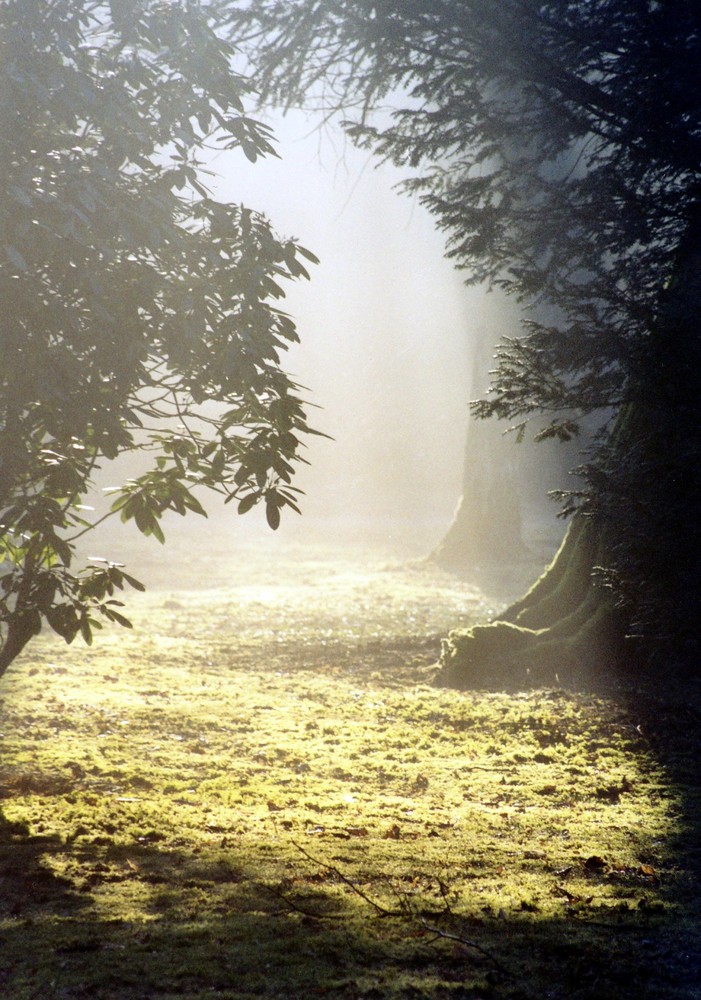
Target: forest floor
[259,793]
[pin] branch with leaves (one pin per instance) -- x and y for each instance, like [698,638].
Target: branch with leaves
[138,315]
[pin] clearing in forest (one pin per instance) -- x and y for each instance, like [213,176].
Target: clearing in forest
[259,793]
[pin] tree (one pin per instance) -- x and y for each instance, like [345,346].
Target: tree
[558,145]
[131,300]
[500,520]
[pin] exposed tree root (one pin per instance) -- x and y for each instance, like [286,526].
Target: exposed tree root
[563,630]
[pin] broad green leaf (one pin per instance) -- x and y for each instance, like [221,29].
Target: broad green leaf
[272,511]
[248,502]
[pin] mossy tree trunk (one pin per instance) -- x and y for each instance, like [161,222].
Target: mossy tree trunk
[625,585]
[565,627]
[574,622]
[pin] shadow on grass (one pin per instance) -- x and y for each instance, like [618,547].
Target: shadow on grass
[24,880]
[207,927]
[667,712]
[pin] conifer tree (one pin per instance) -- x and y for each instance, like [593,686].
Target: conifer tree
[558,145]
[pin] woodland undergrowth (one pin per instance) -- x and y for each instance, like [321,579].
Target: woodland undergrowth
[259,793]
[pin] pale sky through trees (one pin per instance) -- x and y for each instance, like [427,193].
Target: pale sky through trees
[386,328]
[384,325]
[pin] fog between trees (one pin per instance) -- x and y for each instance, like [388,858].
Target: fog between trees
[392,350]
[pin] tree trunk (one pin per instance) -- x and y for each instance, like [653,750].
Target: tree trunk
[19,633]
[627,577]
[504,482]
[487,523]
[564,630]
[22,622]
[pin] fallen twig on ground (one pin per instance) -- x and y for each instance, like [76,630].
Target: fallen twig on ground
[382,910]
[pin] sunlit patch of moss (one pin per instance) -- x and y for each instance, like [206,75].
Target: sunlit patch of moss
[187,815]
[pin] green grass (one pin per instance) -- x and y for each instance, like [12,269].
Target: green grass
[258,793]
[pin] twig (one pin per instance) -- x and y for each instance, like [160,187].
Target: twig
[351,885]
[406,912]
[279,894]
[467,942]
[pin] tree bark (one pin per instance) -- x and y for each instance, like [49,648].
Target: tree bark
[627,577]
[564,630]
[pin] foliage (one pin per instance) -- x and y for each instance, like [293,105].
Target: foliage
[131,300]
[183,805]
[559,147]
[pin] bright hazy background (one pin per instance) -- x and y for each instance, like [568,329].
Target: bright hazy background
[386,327]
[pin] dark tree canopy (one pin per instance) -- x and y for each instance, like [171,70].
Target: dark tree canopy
[130,299]
[558,145]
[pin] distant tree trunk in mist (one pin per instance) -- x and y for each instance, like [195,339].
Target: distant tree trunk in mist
[487,522]
[501,478]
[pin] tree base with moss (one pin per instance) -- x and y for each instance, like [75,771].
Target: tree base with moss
[563,631]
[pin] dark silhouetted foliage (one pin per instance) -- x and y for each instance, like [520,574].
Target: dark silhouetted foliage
[558,146]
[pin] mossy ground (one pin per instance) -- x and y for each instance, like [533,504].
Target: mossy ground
[258,793]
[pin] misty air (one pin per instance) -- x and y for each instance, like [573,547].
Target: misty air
[349,472]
